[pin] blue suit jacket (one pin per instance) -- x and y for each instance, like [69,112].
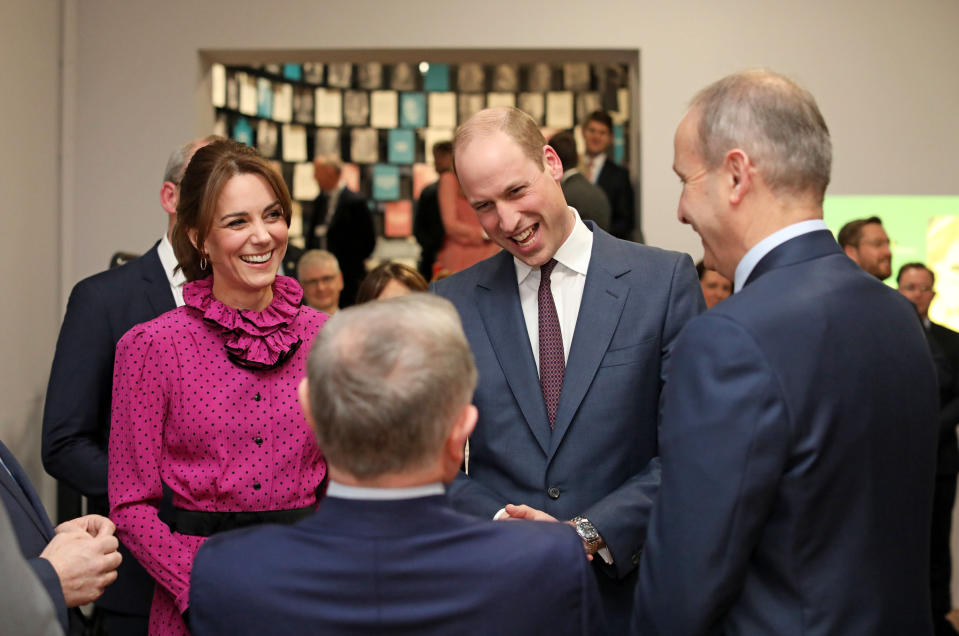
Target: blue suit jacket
[32,527]
[798,449]
[600,460]
[76,417]
[412,566]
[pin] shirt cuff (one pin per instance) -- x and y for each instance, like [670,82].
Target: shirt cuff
[606,555]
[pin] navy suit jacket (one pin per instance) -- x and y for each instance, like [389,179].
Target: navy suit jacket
[600,460]
[614,181]
[411,566]
[798,449]
[76,417]
[32,527]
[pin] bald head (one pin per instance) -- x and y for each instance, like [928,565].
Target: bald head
[775,122]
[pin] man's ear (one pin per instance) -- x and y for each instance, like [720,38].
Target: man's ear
[741,174]
[553,163]
[455,445]
[169,196]
[852,252]
[303,392]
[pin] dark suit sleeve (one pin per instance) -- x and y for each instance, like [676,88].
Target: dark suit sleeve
[724,443]
[622,517]
[361,232]
[51,583]
[474,498]
[78,395]
[623,204]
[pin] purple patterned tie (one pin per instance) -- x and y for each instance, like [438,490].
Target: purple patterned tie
[552,363]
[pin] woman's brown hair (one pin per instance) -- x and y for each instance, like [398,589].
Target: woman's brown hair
[211,167]
[372,286]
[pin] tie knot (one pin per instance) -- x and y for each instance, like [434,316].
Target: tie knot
[546,269]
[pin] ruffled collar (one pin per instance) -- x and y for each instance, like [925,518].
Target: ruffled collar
[255,339]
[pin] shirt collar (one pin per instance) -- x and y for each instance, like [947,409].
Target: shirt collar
[768,244]
[573,254]
[343,491]
[168,260]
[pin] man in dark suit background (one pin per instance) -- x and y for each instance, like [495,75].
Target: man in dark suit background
[600,169]
[340,223]
[74,561]
[917,283]
[427,223]
[866,243]
[589,200]
[76,416]
[799,418]
[570,370]
[388,391]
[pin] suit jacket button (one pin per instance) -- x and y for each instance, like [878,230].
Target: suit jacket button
[553,492]
[636,558]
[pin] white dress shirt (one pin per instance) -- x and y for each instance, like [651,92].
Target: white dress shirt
[342,491]
[595,166]
[567,283]
[168,261]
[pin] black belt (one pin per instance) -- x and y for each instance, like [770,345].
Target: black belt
[200,523]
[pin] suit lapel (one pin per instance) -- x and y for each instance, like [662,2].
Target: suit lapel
[497,297]
[157,290]
[604,297]
[22,492]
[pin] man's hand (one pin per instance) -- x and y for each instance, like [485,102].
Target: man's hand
[528,513]
[94,525]
[532,514]
[84,555]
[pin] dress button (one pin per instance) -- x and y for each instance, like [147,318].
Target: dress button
[256,485]
[258,440]
[553,492]
[257,397]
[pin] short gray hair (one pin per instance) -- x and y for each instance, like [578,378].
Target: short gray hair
[179,158]
[775,121]
[386,381]
[316,257]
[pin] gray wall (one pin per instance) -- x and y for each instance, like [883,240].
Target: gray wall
[883,72]
[29,234]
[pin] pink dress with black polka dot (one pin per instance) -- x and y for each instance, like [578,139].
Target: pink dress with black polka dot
[205,401]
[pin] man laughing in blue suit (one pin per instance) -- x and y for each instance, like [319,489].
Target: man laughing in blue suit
[799,428]
[572,331]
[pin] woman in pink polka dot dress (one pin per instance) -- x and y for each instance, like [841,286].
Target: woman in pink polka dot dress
[204,397]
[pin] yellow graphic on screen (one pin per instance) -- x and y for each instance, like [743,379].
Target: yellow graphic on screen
[942,257]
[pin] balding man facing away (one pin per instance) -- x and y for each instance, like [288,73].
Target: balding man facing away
[798,435]
[388,391]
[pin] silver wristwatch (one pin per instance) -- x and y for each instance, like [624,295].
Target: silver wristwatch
[587,533]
